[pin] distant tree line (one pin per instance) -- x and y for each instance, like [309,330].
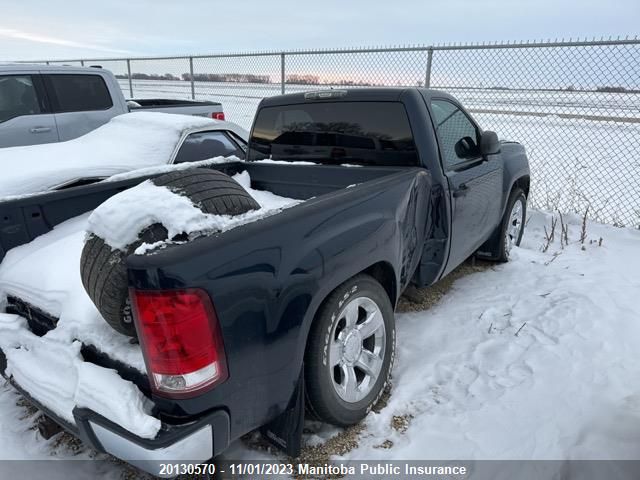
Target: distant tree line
[227,77]
[617,90]
[149,76]
[297,79]
[294,79]
[201,77]
[573,88]
[303,79]
[351,83]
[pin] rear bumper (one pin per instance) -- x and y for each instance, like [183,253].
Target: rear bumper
[196,442]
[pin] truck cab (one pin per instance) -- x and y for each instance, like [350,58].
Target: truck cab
[55,103]
[45,104]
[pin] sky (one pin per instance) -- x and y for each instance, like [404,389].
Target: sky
[72,29]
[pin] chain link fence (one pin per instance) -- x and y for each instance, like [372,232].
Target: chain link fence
[574,105]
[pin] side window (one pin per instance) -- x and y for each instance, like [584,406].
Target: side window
[204,145]
[459,137]
[17,97]
[78,93]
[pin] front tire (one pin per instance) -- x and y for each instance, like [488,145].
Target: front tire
[350,352]
[512,227]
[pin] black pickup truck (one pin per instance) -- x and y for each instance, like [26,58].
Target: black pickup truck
[295,311]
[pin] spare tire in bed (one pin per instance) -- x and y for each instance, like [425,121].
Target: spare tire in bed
[103,269]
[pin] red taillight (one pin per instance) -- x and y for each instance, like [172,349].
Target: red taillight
[180,338]
[217,115]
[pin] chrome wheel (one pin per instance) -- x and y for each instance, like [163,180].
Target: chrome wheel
[356,349]
[514,225]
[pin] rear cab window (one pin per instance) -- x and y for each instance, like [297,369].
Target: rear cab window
[208,144]
[18,97]
[361,133]
[78,93]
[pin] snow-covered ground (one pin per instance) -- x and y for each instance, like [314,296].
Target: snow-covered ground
[602,104]
[20,440]
[578,163]
[534,359]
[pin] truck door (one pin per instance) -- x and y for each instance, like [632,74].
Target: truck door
[25,117]
[475,181]
[81,102]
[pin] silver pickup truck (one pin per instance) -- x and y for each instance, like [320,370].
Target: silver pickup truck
[46,103]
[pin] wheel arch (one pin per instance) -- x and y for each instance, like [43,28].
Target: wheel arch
[489,247]
[522,182]
[381,271]
[385,275]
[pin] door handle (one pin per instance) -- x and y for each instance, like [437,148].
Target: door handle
[40,129]
[461,191]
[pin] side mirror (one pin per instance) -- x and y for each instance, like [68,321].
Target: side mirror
[489,143]
[466,148]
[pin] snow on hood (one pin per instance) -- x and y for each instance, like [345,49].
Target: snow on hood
[127,142]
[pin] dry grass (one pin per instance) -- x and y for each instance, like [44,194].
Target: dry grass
[400,423]
[387,444]
[340,444]
[420,299]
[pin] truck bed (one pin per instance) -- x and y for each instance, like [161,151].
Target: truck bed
[57,347]
[185,107]
[24,219]
[344,210]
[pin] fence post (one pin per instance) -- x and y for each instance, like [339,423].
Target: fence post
[193,86]
[282,73]
[129,77]
[427,74]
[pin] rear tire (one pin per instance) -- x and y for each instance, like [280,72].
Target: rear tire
[103,270]
[350,352]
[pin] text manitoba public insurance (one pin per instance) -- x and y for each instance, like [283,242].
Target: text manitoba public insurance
[382,469]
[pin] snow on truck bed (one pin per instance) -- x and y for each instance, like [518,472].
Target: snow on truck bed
[46,274]
[118,223]
[128,142]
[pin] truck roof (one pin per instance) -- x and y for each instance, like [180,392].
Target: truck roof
[35,67]
[372,94]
